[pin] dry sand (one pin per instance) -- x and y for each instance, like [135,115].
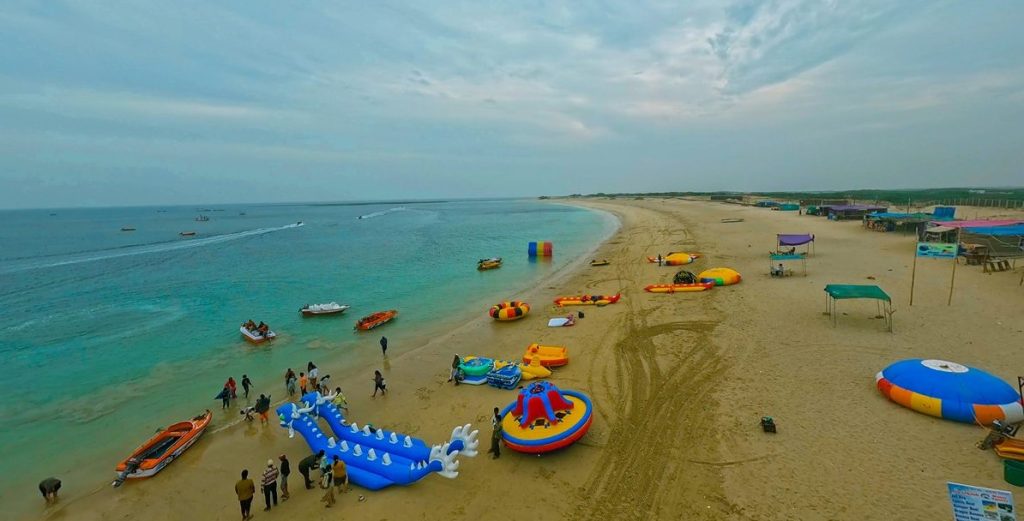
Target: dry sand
[679,383]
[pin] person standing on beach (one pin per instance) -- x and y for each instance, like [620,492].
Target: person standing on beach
[378,384]
[455,369]
[48,488]
[303,382]
[384,345]
[340,475]
[263,407]
[224,397]
[245,489]
[246,384]
[286,468]
[307,464]
[324,382]
[314,373]
[327,481]
[496,435]
[290,383]
[269,483]
[288,375]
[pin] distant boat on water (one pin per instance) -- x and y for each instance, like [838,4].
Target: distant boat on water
[202,218]
[127,229]
[187,234]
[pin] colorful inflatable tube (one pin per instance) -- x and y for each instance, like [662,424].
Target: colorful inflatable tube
[511,310]
[678,288]
[545,418]
[720,276]
[540,249]
[375,458]
[588,300]
[951,391]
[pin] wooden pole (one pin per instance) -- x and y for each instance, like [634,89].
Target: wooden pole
[952,279]
[913,276]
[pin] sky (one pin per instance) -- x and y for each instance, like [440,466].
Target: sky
[154,102]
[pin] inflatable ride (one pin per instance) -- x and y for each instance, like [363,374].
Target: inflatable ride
[675,258]
[547,356]
[720,276]
[951,391]
[488,264]
[255,336]
[505,375]
[151,457]
[540,249]
[588,300]
[474,370]
[678,288]
[376,319]
[602,262]
[545,418]
[375,458]
[534,370]
[511,310]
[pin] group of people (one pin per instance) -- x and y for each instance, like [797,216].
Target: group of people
[333,478]
[260,329]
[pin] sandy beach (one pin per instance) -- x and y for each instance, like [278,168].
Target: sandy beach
[679,383]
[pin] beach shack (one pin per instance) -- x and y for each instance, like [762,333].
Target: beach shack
[852,211]
[897,222]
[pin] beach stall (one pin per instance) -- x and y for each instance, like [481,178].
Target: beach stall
[836,292]
[777,263]
[792,240]
[788,207]
[1004,242]
[895,221]
[852,211]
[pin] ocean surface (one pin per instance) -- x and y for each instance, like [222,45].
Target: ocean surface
[107,335]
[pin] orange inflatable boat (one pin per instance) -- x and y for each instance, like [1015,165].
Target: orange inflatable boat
[376,319]
[549,356]
[151,457]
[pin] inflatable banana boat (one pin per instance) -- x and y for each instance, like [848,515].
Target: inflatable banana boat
[588,300]
[679,288]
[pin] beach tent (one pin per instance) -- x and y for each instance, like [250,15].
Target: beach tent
[775,259]
[794,239]
[789,207]
[852,211]
[893,221]
[836,292]
[999,241]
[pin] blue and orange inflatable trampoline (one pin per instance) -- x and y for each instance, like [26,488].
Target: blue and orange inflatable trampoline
[950,391]
[545,418]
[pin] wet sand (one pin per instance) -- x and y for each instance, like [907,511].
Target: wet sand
[679,383]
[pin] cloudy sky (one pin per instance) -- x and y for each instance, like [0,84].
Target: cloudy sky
[155,102]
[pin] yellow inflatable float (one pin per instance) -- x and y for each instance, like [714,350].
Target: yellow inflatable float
[548,356]
[720,276]
[511,310]
[531,371]
[675,258]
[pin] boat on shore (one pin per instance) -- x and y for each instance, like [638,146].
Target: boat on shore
[602,262]
[376,319]
[488,264]
[187,234]
[163,448]
[253,335]
[330,308]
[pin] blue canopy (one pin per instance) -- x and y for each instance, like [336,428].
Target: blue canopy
[1012,229]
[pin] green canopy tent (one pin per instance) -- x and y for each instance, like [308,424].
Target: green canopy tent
[836,292]
[777,259]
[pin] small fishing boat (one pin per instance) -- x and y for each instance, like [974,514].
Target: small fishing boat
[187,234]
[331,308]
[255,336]
[127,229]
[602,262]
[202,218]
[488,264]
[376,319]
[151,457]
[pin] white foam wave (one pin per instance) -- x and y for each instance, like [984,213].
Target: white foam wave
[144,249]
[383,212]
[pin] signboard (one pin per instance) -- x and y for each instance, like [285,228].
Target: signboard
[937,250]
[980,503]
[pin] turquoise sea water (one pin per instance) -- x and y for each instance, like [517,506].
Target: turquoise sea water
[106,335]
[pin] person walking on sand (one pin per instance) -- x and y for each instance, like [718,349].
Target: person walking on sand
[455,369]
[340,474]
[245,489]
[307,464]
[324,382]
[303,382]
[496,435]
[269,483]
[246,384]
[289,374]
[286,469]
[384,345]
[378,384]
[48,488]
